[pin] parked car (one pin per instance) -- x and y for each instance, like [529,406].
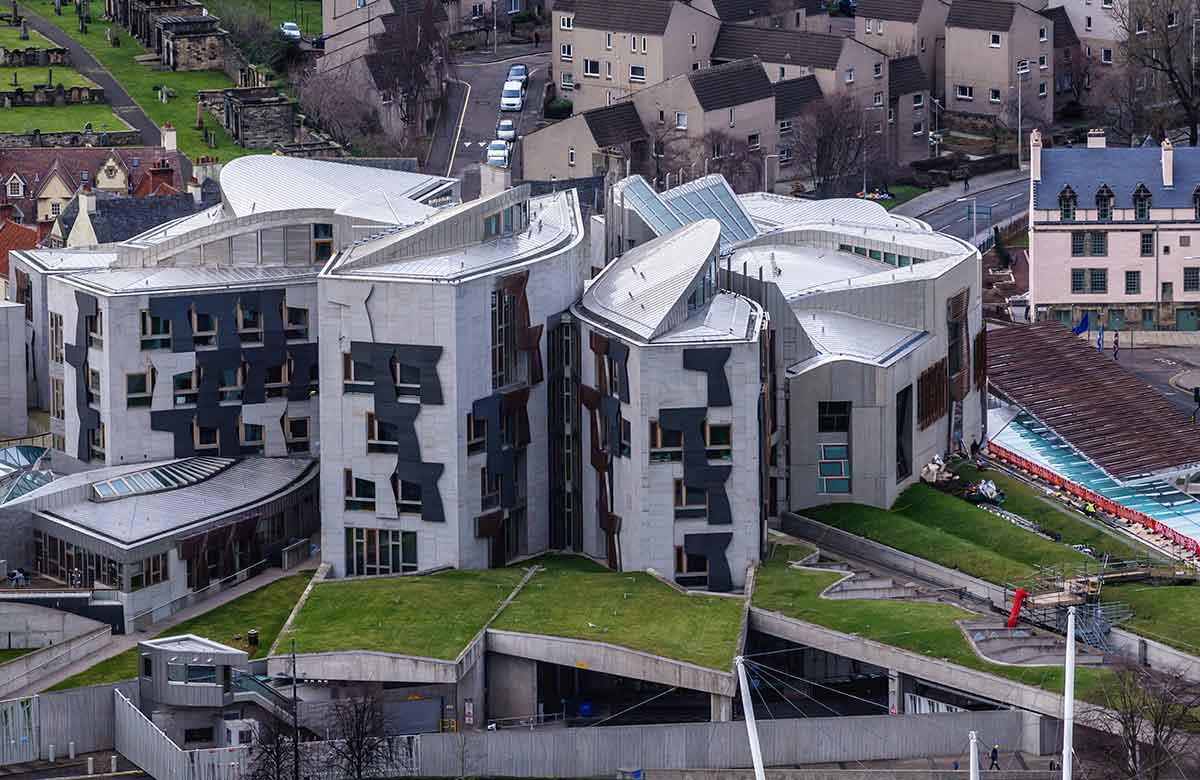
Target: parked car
[290,30]
[512,97]
[497,153]
[506,130]
[519,73]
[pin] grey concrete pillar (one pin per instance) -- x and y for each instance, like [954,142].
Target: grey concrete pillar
[895,692]
[511,687]
[720,708]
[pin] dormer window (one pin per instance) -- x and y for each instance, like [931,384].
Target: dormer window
[1066,204]
[1104,204]
[1141,203]
[16,187]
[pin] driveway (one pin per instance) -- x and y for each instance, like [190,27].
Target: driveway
[1004,202]
[483,111]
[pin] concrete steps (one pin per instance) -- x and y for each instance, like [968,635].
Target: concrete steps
[1025,646]
[865,585]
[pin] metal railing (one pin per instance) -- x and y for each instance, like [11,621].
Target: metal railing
[250,684]
[146,617]
[34,440]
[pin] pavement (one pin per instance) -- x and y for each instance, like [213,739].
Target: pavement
[445,136]
[1005,193]
[123,642]
[122,104]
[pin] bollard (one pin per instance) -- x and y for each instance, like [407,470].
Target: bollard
[91,765]
[112,765]
[71,750]
[52,753]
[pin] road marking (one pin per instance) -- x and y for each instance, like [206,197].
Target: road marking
[458,133]
[962,219]
[1018,195]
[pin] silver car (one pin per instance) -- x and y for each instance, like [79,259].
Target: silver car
[512,97]
[290,30]
[497,153]
[506,130]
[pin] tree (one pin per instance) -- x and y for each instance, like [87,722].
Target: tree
[408,61]
[1157,39]
[674,157]
[833,145]
[359,749]
[1154,714]
[343,113]
[1129,108]
[271,752]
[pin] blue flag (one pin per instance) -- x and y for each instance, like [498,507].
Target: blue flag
[1100,338]
[1082,327]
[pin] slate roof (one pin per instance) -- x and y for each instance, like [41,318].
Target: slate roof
[776,45]
[905,77]
[117,218]
[731,84]
[746,10]
[14,236]
[981,14]
[1122,169]
[792,95]
[639,16]
[615,124]
[1064,31]
[892,10]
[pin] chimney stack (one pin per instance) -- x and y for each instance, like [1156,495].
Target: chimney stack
[1168,163]
[1035,155]
[87,199]
[193,189]
[1095,138]
[168,138]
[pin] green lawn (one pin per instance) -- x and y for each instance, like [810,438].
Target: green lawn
[265,609]
[28,78]
[9,655]
[1167,613]
[10,38]
[306,13]
[1028,502]
[434,616]
[903,193]
[59,119]
[139,81]
[921,627]
[577,598]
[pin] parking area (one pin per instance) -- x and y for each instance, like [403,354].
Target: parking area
[483,112]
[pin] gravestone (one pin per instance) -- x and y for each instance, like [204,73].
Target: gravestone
[87,127]
[49,77]
[24,30]
[14,78]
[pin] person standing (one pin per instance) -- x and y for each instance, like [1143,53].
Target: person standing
[995,758]
[1116,345]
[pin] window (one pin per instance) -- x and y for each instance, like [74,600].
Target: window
[666,446]
[322,234]
[870,24]
[693,501]
[879,26]
[1147,245]
[380,551]
[251,436]
[204,329]
[476,434]
[489,490]
[1133,282]
[504,339]
[566,52]
[198,735]
[1104,204]
[918,128]
[891,115]
[1041,89]
[14,188]
[718,441]
[849,75]
[833,469]
[1087,24]
[693,40]
[249,324]
[1191,279]
[922,44]
[994,95]
[185,387]
[156,331]
[964,92]
[1022,66]
[147,667]
[55,209]
[591,68]
[566,23]
[381,436]
[681,120]
[608,40]
[295,322]
[1041,33]
[1140,27]
[1141,203]
[57,405]
[877,71]
[97,441]
[918,101]
[637,73]
[205,439]
[1066,207]
[643,44]
[716,149]
[231,382]
[56,337]
[95,329]
[1099,243]
[1185,241]
[877,100]
[754,140]
[139,388]
[1196,204]
[570,155]
[568,81]
[1172,19]
[1097,280]
[1078,243]
[833,417]
[785,155]
[295,431]
[1106,56]
[608,75]
[1042,64]
[1168,289]
[360,493]
[995,40]
[93,387]
[408,495]
[692,566]
[732,118]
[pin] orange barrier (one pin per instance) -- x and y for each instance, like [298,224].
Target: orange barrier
[1097,500]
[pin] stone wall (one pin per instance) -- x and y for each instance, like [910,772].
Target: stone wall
[36,139]
[198,52]
[34,58]
[266,125]
[58,95]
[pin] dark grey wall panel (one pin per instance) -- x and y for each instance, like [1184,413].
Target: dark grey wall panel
[711,360]
[76,356]
[697,473]
[712,547]
[619,352]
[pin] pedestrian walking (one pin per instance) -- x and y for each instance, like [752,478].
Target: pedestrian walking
[537,38]
[1116,345]
[995,758]
[966,183]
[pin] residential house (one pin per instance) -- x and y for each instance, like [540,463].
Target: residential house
[13,236]
[810,15]
[685,119]
[1071,65]
[999,55]
[95,217]
[792,98]
[910,111]
[902,28]
[606,50]
[1097,26]
[1110,234]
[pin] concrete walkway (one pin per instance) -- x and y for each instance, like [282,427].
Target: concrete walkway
[507,51]
[941,196]
[445,137]
[81,59]
[124,642]
[1133,339]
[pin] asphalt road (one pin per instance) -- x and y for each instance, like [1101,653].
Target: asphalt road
[483,112]
[1157,366]
[1004,201]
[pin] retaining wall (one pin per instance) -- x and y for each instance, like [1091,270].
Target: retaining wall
[34,139]
[31,625]
[26,670]
[848,774]
[82,715]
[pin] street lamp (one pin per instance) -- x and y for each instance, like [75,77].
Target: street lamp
[864,150]
[1022,70]
[974,217]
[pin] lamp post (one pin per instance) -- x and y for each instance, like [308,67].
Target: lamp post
[864,149]
[1022,71]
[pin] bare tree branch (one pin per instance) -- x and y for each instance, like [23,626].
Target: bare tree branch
[833,142]
[1157,38]
[360,749]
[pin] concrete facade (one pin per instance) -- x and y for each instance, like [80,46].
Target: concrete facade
[14,404]
[924,36]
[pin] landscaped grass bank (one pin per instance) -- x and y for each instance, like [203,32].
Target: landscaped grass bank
[60,119]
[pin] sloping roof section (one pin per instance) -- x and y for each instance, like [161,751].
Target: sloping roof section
[615,124]
[731,84]
[792,96]
[1122,169]
[1064,31]
[736,11]
[906,77]
[1111,417]
[993,15]
[14,236]
[639,16]
[892,10]
[777,45]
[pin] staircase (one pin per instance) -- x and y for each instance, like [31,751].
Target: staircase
[865,585]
